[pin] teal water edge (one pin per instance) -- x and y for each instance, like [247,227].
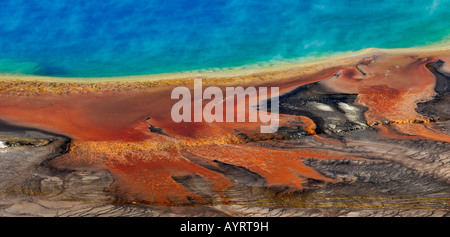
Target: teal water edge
[85,38]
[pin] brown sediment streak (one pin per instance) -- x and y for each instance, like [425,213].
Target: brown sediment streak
[386,132]
[279,167]
[143,171]
[427,131]
[150,179]
[413,131]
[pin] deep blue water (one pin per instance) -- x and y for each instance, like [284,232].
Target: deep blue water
[131,37]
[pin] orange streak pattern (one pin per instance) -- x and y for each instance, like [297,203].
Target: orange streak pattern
[279,167]
[151,179]
[110,128]
[144,173]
